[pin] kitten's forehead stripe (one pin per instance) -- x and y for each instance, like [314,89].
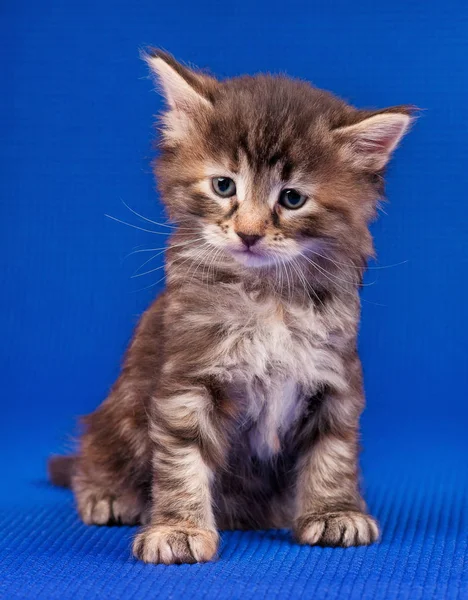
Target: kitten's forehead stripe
[243,144]
[286,170]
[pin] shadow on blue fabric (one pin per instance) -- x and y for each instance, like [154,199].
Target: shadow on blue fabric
[76,140]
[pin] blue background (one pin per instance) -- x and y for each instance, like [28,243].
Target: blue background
[76,129]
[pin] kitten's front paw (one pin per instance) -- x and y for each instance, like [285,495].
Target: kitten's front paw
[341,528]
[175,545]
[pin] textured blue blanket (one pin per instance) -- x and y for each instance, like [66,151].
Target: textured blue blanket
[45,552]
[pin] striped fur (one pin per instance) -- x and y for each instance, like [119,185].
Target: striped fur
[239,400]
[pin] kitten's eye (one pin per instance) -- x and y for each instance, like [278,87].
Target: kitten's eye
[292,199]
[223,186]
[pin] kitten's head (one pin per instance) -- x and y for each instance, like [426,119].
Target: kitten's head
[269,168]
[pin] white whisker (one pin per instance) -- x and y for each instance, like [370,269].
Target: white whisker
[298,273]
[149,286]
[289,281]
[199,253]
[146,262]
[326,273]
[305,282]
[213,261]
[336,284]
[156,222]
[136,226]
[276,269]
[163,248]
[146,218]
[366,268]
[136,274]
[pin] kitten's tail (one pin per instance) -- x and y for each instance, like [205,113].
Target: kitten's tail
[60,470]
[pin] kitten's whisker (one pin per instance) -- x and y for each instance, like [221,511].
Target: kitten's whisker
[366,268]
[199,256]
[146,250]
[163,248]
[199,253]
[298,273]
[297,269]
[149,286]
[177,225]
[158,254]
[339,286]
[287,276]
[161,279]
[280,264]
[328,274]
[136,274]
[207,263]
[136,226]
[146,218]
[213,261]
[276,269]
[207,266]
[347,280]
[306,284]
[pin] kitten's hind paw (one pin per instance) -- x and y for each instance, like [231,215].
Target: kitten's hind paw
[340,528]
[175,545]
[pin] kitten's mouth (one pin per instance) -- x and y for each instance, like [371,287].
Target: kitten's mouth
[250,257]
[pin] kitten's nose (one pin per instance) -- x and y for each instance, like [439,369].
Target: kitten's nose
[249,239]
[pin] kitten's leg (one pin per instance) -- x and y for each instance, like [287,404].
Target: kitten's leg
[329,508]
[112,475]
[188,443]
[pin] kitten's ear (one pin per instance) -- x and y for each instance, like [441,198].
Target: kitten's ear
[184,89]
[369,143]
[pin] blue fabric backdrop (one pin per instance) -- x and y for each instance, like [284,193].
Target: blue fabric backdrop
[76,127]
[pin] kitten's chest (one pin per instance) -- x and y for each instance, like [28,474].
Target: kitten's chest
[272,360]
[269,344]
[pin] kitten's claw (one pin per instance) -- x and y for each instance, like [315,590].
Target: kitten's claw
[342,528]
[175,545]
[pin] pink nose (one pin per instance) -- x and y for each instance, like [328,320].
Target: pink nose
[248,239]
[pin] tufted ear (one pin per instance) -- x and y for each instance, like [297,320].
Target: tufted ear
[187,93]
[183,88]
[369,143]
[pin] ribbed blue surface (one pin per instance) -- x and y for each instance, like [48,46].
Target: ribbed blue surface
[46,553]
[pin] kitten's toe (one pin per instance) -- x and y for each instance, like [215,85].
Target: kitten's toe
[175,545]
[99,509]
[128,511]
[100,512]
[342,528]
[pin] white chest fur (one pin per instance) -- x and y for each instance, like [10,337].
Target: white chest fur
[272,357]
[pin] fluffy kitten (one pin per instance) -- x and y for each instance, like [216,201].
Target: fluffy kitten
[239,399]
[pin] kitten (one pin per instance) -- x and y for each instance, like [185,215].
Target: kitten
[239,399]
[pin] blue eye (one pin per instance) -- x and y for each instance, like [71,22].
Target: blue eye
[223,186]
[292,199]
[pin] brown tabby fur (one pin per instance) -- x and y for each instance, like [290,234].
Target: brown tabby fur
[240,395]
